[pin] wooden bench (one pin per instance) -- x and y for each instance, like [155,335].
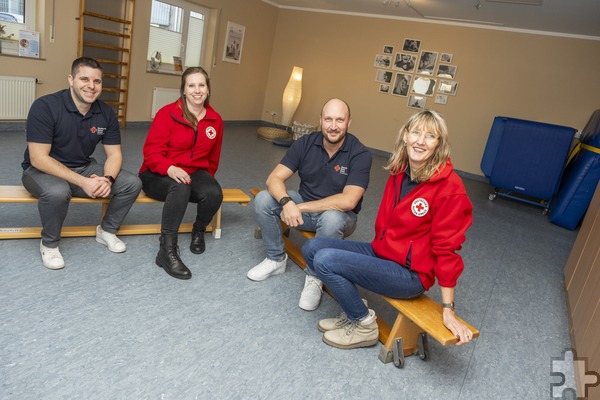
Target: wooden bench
[18,194]
[416,318]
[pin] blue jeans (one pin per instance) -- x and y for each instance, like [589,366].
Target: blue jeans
[55,194]
[331,223]
[343,264]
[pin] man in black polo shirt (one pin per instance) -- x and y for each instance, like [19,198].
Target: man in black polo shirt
[333,167]
[63,130]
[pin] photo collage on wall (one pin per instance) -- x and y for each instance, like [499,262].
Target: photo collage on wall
[416,73]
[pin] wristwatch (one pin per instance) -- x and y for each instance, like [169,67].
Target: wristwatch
[284,200]
[448,305]
[110,179]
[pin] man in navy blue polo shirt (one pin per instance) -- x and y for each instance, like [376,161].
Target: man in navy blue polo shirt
[63,130]
[333,167]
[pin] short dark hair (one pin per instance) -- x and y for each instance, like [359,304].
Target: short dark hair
[84,62]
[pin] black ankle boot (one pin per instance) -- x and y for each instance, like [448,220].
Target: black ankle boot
[197,245]
[168,258]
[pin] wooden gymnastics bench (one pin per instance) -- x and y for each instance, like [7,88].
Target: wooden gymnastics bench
[416,318]
[18,194]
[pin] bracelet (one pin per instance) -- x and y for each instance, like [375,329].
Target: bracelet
[448,305]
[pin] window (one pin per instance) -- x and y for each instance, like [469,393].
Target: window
[15,15]
[177,32]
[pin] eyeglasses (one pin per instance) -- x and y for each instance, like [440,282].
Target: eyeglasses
[429,137]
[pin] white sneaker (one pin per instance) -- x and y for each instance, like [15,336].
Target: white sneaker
[110,240]
[267,268]
[51,257]
[311,294]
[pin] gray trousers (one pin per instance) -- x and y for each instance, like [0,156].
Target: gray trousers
[55,194]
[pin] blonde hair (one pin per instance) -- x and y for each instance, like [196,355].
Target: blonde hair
[430,121]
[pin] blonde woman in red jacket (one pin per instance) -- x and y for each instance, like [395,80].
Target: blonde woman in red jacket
[181,157]
[421,224]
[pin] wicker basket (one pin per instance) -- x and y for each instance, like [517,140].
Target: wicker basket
[268,133]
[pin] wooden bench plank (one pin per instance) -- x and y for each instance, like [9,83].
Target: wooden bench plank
[18,194]
[415,316]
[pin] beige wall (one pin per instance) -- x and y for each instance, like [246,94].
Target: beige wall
[238,90]
[543,78]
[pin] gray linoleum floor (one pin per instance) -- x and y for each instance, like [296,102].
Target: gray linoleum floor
[115,326]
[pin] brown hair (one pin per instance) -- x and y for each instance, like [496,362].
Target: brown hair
[186,112]
[84,62]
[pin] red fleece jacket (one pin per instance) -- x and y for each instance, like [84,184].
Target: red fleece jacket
[173,141]
[430,221]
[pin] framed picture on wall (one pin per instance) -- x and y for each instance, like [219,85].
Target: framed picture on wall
[447,87]
[446,71]
[383,61]
[417,102]
[405,62]
[446,58]
[411,45]
[234,42]
[423,85]
[427,62]
[401,85]
[385,89]
[383,76]
[388,49]
[441,99]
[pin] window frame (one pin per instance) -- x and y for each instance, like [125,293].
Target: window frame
[168,66]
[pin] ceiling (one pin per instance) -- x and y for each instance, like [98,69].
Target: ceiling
[558,17]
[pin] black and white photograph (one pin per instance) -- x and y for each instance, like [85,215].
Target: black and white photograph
[427,62]
[388,49]
[411,45]
[446,58]
[441,99]
[234,42]
[424,86]
[417,102]
[446,71]
[385,89]
[447,87]
[401,85]
[383,61]
[405,62]
[383,76]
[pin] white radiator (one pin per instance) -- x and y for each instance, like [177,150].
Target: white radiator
[16,96]
[161,97]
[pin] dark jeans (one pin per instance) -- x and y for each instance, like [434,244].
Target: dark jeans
[55,194]
[203,190]
[343,264]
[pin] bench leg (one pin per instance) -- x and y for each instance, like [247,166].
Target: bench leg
[216,224]
[403,329]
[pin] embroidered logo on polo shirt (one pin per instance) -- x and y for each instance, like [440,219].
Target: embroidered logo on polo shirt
[419,207]
[342,170]
[98,131]
[211,132]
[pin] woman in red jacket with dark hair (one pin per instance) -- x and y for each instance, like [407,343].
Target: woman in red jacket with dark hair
[181,157]
[421,224]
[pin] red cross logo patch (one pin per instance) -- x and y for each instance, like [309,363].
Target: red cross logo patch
[93,129]
[420,207]
[211,132]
